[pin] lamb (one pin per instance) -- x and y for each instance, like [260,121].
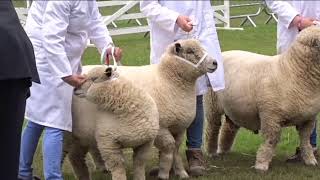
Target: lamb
[171,84]
[266,93]
[109,114]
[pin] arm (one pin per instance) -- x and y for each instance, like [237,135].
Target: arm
[98,32]
[285,12]
[55,24]
[156,13]
[289,15]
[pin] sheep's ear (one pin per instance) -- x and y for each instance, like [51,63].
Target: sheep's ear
[315,43]
[108,72]
[177,48]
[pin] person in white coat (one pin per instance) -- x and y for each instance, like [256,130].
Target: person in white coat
[293,17]
[59,32]
[174,20]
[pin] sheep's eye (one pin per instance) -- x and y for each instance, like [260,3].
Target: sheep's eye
[190,51]
[94,78]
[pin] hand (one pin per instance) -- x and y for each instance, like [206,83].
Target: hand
[117,53]
[75,80]
[302,22]
[185,23]
[306,22]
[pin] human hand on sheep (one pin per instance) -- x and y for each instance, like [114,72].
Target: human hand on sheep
[303,22]
[117,53]
[75,80]
[185,23]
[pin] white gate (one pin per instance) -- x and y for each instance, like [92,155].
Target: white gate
[125,13]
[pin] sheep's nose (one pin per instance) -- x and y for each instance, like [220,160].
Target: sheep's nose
[215,63]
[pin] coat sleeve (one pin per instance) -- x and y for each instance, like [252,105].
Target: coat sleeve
[285,11]
[98,32]
[55,23]
[160,15]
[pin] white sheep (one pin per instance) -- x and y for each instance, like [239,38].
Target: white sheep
[112,114]
[172,86]
[266,93]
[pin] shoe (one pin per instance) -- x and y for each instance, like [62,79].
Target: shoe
[297,156]
[196,162]
[33,178]
[36,178]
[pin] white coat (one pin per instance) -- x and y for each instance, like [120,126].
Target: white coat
[59,31]
[286,11]
[162,16]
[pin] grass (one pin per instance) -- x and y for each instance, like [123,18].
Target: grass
[235,165]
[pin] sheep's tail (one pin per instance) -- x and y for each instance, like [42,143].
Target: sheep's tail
[213,115]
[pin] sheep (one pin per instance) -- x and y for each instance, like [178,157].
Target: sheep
[265,93]
[109,114]
[172,86]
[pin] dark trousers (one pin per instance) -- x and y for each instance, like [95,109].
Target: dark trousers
[13,95]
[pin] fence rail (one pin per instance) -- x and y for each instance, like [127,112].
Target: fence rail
[124,13]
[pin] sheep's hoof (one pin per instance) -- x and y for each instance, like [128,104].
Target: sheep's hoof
[261,168]
[163,176]
[216,156]
[182,174]
[311,162]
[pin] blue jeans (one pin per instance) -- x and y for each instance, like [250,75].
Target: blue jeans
[195,130]
[313,137]
[51,148]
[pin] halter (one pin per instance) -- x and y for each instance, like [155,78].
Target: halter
[104,58]
[192,64]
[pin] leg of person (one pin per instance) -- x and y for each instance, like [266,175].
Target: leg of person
[313,140]
[194,141]
[29,143]
[52,153]
[313,137]
[13,95]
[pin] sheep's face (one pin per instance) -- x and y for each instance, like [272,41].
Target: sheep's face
[310,37]
[96,75]
[192,51]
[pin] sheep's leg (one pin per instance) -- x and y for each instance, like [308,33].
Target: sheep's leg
[140,156]
[77,154]
[67,145]
[113,157]
[212,133]
[271,131]
[166,145]
[213,118]
[177,161]
[227,135]
[97,159]
[305,146]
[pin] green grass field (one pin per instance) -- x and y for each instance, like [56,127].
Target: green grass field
[237,164]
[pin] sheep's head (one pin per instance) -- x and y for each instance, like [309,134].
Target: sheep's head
[190,53]
[310,37]
[96,75]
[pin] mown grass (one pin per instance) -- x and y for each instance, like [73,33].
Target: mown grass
[237,164]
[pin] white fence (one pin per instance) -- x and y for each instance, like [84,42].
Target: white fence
[221,14]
